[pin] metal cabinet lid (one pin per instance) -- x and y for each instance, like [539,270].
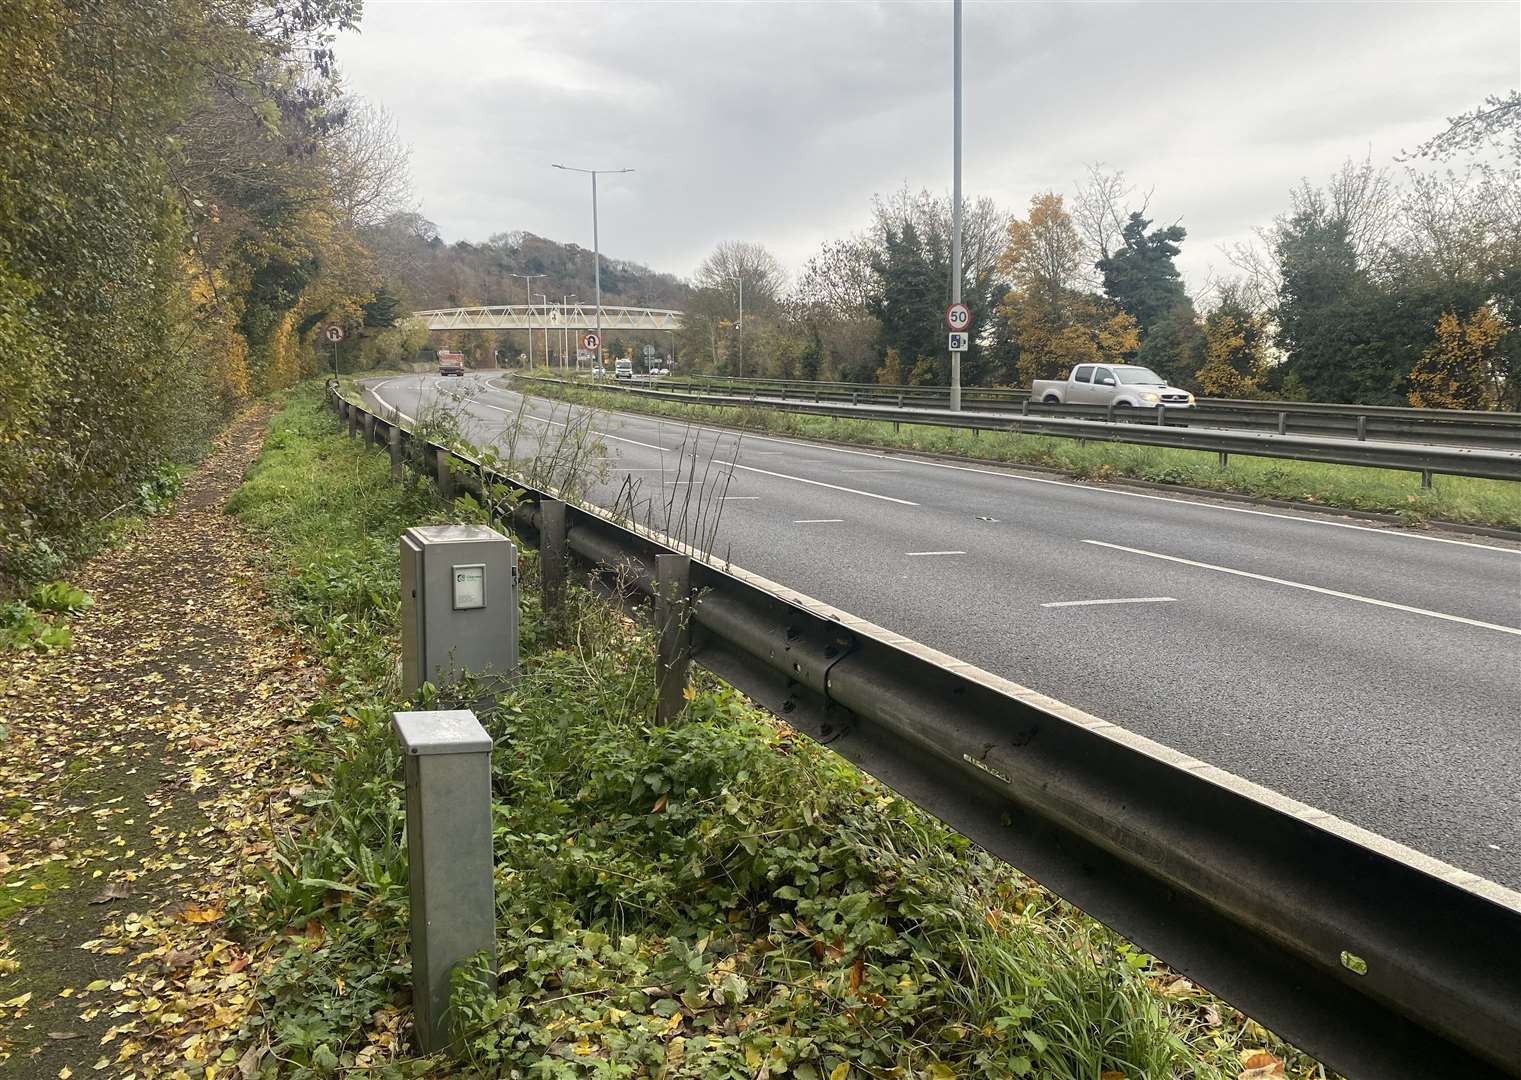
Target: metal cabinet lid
[451,534]
[451,731]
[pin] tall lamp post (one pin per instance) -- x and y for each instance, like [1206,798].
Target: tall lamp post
[528,291]
[740,277]
[956,192]
[546,331]
[596,248]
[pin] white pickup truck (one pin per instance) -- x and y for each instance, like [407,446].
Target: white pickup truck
[1111,384]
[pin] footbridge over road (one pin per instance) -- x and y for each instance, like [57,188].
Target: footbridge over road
[550,317]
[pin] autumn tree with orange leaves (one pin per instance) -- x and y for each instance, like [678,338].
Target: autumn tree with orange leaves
[1462,367]
[1055,323]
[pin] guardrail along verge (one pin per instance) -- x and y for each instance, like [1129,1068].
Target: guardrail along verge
[1424,458]
[1379,960]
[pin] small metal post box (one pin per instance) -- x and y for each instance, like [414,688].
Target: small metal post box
[453,899]
[459,605]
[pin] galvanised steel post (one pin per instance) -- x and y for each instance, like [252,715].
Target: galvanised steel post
[446,474]
[552,553]
[449,861]
[673,622]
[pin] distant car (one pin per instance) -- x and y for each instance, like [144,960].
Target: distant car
[623,369]
[1121,385]
[660,371]
[598,371]
[451,363]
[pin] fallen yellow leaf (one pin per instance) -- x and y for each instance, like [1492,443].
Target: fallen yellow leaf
[1259,1065]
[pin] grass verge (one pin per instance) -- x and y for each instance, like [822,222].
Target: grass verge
[1460,499]
[716,898]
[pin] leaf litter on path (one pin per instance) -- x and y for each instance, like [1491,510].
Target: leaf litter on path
[142,770]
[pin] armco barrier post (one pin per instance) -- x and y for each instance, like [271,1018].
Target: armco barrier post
[1283,423]
[393,441]
[552,553]
[445,475]
[673,602]
[447,760]
[369,428]
[353,420]
[1362,428]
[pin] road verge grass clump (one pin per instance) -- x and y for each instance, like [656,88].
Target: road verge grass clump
[1459,499]
[712,898]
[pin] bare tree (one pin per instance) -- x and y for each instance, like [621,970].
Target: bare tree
[1255,261]
[1496,123]
[839,278]
[370,168]
[982,228]
[1103,202]
[734,261]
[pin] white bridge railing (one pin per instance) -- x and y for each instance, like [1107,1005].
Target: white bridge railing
[549,317]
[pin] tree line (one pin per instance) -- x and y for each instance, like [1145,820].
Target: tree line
[184,192]
[1387,285]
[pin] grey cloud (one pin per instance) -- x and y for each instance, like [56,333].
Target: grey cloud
[777,122]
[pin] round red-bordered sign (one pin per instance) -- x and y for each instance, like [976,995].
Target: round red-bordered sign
[590,341]
[335,333]
[958,316]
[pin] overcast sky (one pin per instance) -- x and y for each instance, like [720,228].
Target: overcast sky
[776,122]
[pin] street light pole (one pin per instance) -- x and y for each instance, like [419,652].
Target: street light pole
[528,291]
[956,194]
[546,329]
[741,325]
[596,244]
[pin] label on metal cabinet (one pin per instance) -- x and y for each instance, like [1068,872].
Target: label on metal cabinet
[469,587]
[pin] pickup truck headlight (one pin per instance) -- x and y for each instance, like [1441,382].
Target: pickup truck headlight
[1151,399]
[1190,399]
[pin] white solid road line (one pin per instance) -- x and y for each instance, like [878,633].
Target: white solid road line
[934,553]
[1009,474]
[1123,600]
[818,521]
[738,498]
[1314,588]
[737,465]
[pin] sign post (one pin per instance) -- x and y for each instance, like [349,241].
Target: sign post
[956,194]
[334,334]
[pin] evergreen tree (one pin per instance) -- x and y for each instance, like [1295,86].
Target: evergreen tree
[1140,276]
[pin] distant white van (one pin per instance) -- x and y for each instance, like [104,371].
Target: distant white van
[623,369]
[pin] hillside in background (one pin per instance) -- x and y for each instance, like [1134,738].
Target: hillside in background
[428,272]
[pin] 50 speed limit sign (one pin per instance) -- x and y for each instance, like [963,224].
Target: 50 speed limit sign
[590,341]
[958,316]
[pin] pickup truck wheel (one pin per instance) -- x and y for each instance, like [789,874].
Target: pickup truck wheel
[1050,399]
[1123,405]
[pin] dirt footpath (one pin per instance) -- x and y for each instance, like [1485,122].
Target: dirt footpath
[141,779]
